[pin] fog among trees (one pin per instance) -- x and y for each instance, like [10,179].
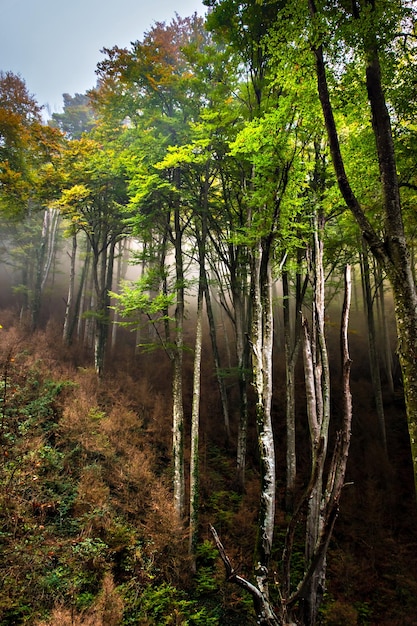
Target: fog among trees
[209,326]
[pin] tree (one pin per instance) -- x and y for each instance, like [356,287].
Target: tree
[292,342]
[321,497]
[94,200]
[25,145]
[366,21]
[153,86]
[77,118]
[243,27]
[27,185]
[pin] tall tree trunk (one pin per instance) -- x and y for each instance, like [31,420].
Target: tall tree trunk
[290,362]
[217,360]
[44,257]
[262,347]
[103,278]
[292,340]
[242,370]
[372,345]
[82,297]
[195,416]
[115,325]
[177,393]
[241,322]
[309,590]
[69,304]
[384,332]
[89,305]
[317,379]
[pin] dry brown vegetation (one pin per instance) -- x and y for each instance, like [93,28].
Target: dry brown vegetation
[88,530]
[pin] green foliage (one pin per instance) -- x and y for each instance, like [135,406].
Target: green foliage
[195,137]
[78,116]
[223,505]
[205,578]
[166,605]
[140,297]
[364,611]
[95,413]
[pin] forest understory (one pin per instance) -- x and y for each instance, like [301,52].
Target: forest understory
[89,535]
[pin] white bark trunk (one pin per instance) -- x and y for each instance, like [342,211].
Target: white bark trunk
[195,417]
[70,296]
[262,345]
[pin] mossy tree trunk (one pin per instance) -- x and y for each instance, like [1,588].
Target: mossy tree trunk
[176,235]
[261,339]
[195,419]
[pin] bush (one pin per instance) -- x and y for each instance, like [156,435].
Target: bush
[163,605]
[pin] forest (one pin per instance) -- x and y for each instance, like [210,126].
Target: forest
[208,326]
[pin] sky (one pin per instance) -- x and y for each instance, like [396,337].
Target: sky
[54,45]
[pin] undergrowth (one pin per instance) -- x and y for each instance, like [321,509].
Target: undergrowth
[88,532]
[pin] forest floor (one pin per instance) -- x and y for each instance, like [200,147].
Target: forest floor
[88,533]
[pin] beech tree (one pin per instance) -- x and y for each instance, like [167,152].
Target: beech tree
[93,199]
[27,185]
[322,495]
[243,26]
[77,118]
[160,105]
[369,30]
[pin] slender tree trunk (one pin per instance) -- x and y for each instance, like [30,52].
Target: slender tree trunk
[317,379]
[195,416]
[240,318]
[177,392]
[82,297]
[292,340]
[242,322]
[384,333]
[69,304]
[225,334]
[262,347]
[290,396]
[217,360]
[195,429]
[373,350]
[115,325]
[44,257]
[89,306]
[53,217]
[242,368]
[99,273]
[103,279]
